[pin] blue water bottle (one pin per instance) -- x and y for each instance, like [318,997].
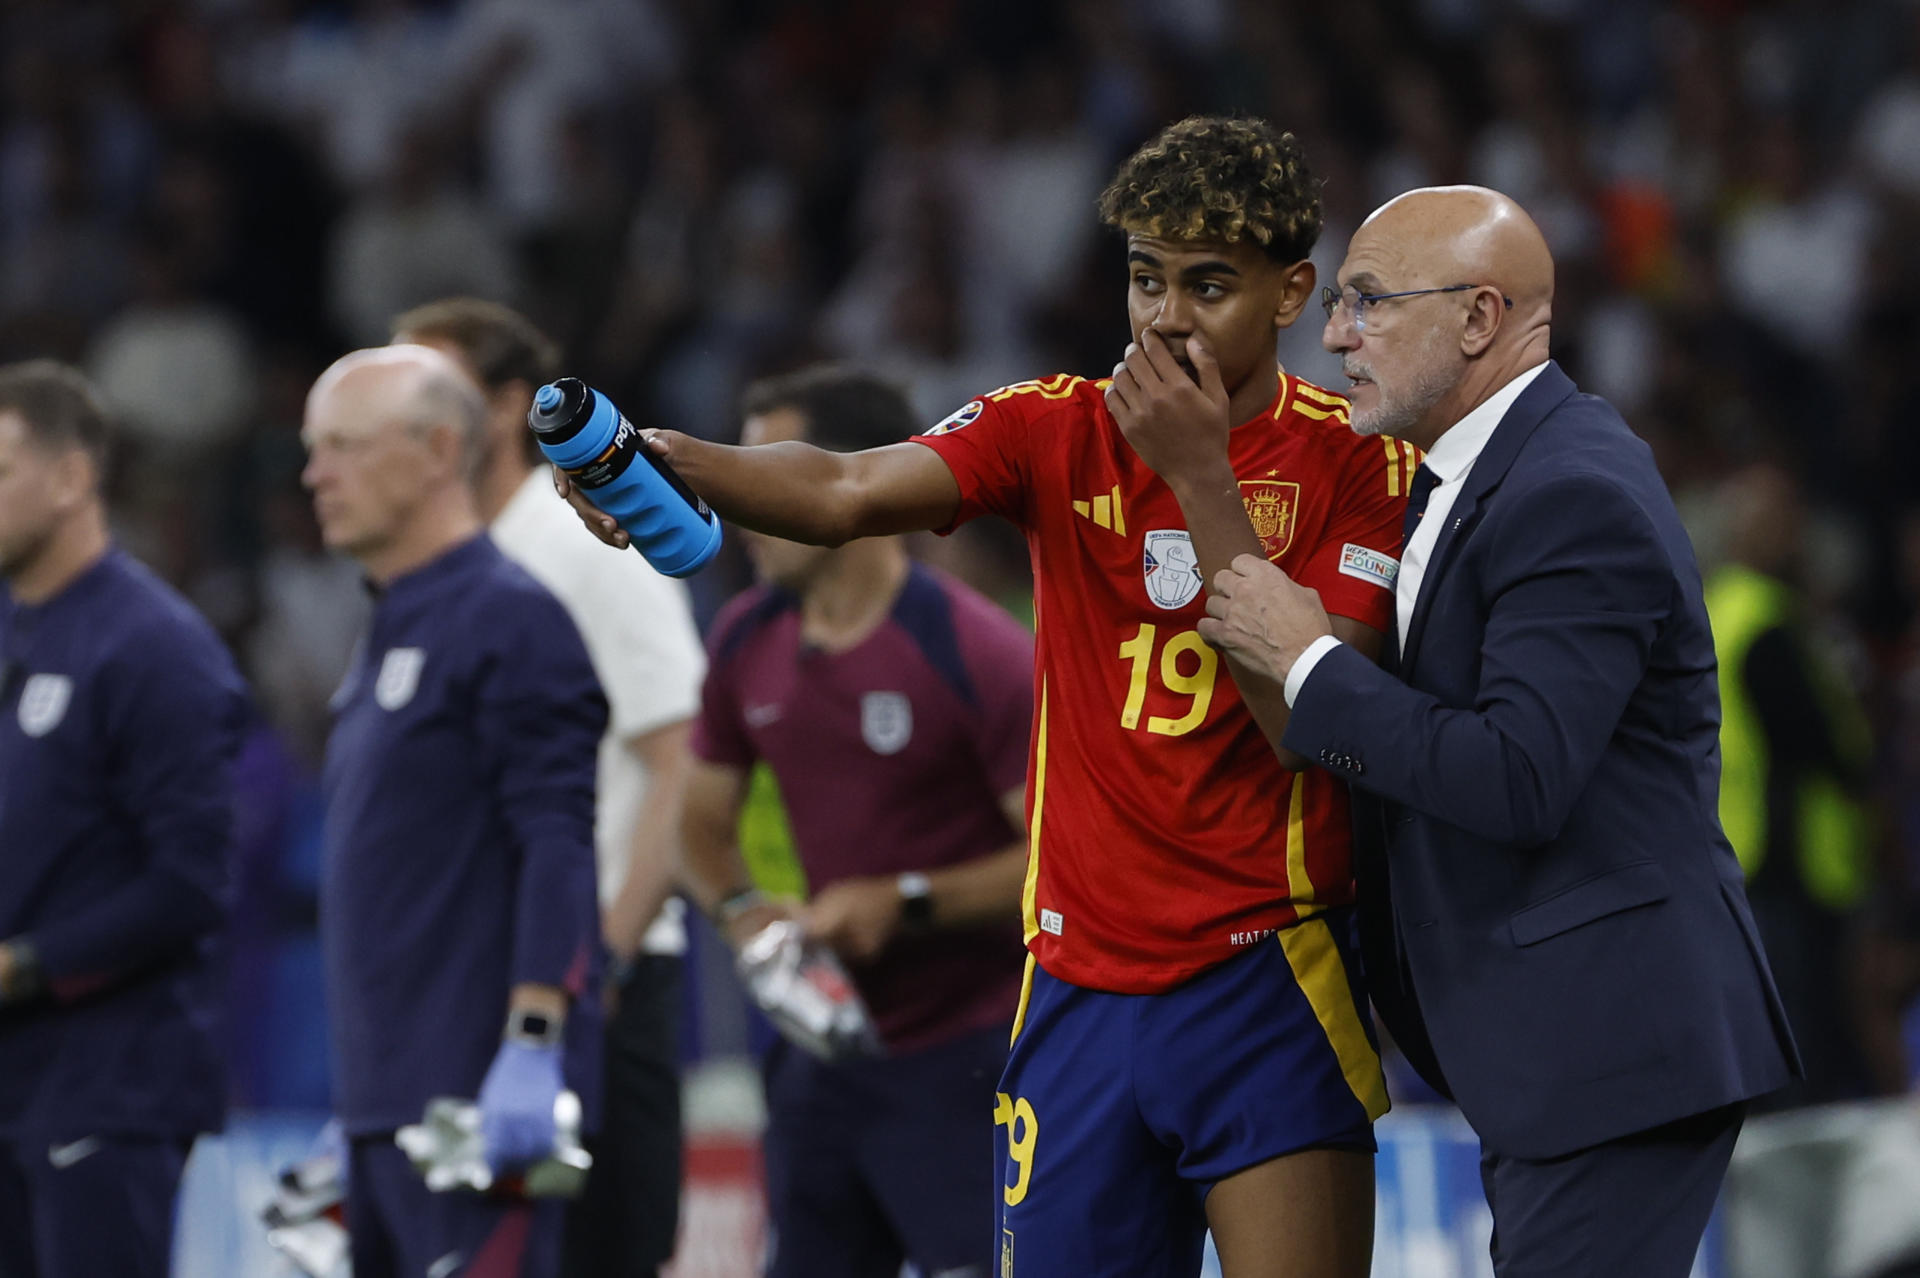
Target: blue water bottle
[583,434]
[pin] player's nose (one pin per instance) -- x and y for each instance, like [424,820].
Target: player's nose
[1174,320]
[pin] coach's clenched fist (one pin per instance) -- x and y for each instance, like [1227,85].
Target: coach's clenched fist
[1263,617]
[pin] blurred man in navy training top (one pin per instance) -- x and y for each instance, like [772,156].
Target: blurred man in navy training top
[639,632]
[458,917]
[892,704]
[120,718]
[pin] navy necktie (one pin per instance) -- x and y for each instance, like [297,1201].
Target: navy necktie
[1423,485]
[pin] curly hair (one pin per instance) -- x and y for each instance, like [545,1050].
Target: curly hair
[1219,178]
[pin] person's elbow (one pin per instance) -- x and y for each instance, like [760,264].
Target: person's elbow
[1527,809]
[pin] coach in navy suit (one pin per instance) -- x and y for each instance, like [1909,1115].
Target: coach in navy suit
[1554,925]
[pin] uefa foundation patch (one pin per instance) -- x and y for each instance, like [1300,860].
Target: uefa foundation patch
[1369,565]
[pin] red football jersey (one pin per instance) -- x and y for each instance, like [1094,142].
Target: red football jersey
[1163,833]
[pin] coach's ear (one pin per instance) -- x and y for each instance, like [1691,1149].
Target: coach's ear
[1485,313]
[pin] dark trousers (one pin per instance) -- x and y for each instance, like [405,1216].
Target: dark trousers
[625,1224]
[87,1207]
[1637,1205]
[872,1163]
[400,1229]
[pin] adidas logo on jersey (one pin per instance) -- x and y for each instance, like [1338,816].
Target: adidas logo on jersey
[1104,510]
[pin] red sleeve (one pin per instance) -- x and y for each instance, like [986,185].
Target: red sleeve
[999,655]
[985,444]
[719,730]
[1355,564]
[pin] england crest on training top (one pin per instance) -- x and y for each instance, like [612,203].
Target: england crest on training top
[43,703]
[886,721]
[399,677]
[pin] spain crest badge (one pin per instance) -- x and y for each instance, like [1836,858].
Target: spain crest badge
[1272,505]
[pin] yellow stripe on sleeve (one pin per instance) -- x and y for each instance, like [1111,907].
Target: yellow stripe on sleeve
[1029,920]
[1059,386]
[1319,394]
[1316,964]
[1026,992]
[1393,465]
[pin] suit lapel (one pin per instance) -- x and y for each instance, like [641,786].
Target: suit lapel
[1540,398]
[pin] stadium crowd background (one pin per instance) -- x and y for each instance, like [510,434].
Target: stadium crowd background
[203,202]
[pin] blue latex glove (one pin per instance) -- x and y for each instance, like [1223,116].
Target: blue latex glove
[516,1105]
[332,1143]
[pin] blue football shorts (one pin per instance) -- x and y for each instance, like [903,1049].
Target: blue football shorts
[1118,1113]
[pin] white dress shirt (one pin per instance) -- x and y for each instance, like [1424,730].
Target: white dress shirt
[1450,461]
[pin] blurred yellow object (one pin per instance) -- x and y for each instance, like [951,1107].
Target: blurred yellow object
[766,842]
[1834,835]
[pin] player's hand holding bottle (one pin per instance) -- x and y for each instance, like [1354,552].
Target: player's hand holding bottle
[617,477]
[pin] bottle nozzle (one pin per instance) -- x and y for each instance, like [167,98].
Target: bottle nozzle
[548,398]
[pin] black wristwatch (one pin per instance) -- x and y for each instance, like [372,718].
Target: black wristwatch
[536,1029]
[916,900]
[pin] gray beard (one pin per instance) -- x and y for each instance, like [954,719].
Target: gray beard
[1394,416]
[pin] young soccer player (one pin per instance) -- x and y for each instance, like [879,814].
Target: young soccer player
[1191,1049]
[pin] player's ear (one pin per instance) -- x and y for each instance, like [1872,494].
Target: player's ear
[1296,290]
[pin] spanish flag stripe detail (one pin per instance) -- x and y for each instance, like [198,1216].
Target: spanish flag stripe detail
[1020,1008]
[1339,413]
[1322,976]
[1029,919]
[1393,465]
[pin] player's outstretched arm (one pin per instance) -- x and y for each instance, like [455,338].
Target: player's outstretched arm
[799,492]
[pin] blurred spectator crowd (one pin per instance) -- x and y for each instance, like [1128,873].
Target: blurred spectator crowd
[203,202]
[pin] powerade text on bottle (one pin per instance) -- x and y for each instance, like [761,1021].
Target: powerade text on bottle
[583,434]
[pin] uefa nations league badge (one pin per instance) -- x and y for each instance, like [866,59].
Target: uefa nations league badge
[1171,569]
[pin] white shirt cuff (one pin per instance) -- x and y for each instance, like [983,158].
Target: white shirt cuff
[1303,666]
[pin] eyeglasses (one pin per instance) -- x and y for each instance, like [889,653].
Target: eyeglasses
[1356,302]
